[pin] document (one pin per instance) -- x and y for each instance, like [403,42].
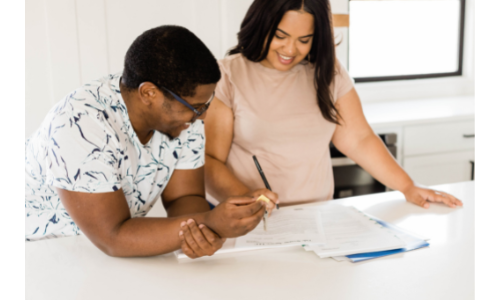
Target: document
[286,227]
[411,240]
[348,231]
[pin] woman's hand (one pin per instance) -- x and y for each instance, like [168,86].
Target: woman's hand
[198,241]
[269,194]
[422,197]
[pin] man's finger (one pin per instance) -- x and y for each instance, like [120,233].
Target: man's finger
[190,240]
[198,237]
[210,236]
[188,251]
[246,211]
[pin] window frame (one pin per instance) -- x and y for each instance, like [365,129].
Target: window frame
[459,72]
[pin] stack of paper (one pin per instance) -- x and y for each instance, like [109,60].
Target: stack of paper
[290,226]
[329,230]
[348,231]
[411,240]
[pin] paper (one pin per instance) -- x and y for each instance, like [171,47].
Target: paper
[412,241]
[287,226]
[348,231]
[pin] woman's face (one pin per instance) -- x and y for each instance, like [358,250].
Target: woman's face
[291,42]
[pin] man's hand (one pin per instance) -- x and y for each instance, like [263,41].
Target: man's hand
[422,197]
[198,241]
[269,194]
[236,217]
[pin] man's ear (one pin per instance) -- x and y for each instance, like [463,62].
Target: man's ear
[148,93]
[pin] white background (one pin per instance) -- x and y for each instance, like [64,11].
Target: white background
[70,42]
[13,60]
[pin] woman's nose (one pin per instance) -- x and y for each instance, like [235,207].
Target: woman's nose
[289,48]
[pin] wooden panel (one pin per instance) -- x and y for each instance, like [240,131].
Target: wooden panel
[340,20]
[91,20]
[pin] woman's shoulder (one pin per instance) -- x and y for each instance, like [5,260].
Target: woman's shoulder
[233,62]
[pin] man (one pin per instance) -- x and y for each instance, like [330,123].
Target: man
[109,149]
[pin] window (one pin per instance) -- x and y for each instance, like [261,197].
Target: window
[405,39]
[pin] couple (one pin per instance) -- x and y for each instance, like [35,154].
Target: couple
[109,149]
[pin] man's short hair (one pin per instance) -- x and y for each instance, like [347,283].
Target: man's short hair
[172,57]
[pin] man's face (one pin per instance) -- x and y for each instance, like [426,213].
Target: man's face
[172,117]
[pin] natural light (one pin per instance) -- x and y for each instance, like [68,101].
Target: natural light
[391,38]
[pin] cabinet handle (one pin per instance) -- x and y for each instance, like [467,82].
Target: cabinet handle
[468,136]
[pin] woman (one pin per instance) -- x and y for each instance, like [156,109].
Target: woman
[283,97]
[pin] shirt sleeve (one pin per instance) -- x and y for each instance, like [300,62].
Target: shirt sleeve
[342,83]
[224,89]
[192,153]
[81,153]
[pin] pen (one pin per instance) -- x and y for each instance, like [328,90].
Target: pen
[263,176]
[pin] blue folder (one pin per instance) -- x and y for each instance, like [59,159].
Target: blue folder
[371,255]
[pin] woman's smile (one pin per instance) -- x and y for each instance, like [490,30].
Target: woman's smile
[286,60]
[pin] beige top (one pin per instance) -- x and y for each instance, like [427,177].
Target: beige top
[277,118]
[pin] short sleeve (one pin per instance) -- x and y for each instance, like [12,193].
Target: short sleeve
[343,82]
[81,153]
[224,89]
[192,154]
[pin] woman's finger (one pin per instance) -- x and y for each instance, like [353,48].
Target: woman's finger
[454,199]
[436,196]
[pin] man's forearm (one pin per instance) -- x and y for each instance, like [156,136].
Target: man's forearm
[220,181]
[186,205]
[149,236]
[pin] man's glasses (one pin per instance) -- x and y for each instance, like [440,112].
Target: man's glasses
[197,112]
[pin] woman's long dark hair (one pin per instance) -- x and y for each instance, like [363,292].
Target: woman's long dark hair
[261,21]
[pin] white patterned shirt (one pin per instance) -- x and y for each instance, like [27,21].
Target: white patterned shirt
[86,143]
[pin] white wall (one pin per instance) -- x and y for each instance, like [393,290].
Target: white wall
[69,42]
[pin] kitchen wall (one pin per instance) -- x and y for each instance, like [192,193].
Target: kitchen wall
[70,42]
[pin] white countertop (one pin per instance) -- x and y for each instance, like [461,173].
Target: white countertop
[73,268]
[412,112]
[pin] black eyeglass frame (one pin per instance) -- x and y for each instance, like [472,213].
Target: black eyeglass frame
[197,112]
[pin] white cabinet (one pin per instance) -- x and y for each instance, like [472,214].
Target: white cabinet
[440,168]
[436,137]
[439,153]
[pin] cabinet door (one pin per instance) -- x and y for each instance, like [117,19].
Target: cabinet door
[440,168]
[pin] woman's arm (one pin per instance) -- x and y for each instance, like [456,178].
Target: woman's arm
[356,140]
[220,181]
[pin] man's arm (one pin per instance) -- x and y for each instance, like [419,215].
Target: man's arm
[105,217]
[185,193]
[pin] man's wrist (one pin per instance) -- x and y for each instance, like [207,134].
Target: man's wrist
[205,219]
